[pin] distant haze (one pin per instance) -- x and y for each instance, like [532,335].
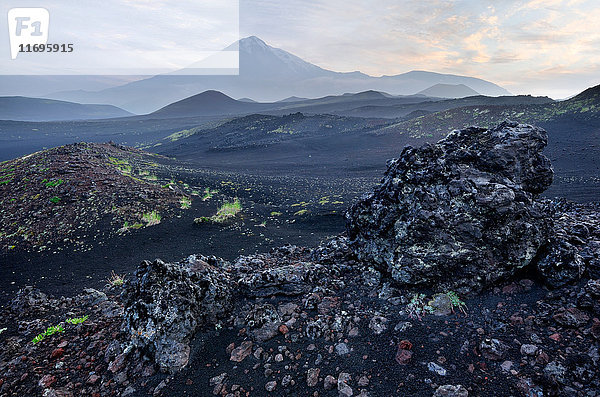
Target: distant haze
[539,47]
[268,74]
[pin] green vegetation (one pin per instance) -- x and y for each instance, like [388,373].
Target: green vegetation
[55,200]
[122,165]
[2,330]
[185,202]
[181,134]
[54,183]
[227,211]
[127,226]
[208,194]
[115,280]
[151,218]
[324,200]
[58,328]
[276,213]
[301,212]
[48,332]
[418,307]
[6,175]
[456,302]
[77,320]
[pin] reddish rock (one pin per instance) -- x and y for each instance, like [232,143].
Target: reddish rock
[93,379]
[47,381]
[406,345]
[57,353]
[241,352]
[403,356]
[542,359]
[516,320]
[117,364]
[510,289]
[230,348]
[555,337]
[596,328]
[283,329]
[571,317]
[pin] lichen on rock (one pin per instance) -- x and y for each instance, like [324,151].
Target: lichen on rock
[462,213]
[166,303]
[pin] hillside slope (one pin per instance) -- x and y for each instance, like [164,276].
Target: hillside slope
[54,198]
[37,109]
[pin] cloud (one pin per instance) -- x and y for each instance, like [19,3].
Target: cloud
[503,41]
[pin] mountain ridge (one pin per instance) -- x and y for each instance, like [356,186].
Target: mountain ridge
[268,74]
[21,108]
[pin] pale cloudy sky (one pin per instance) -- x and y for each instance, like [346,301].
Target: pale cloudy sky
[542,47]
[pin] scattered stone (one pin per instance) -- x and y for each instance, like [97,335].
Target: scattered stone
[378,324]
[441,305]
[241,352]
[433,367]
[270,386]
[344,389]
[451,391]
[57,353]
[493,349]
[341,349]
[312,377]
[117,364]
[330,382]
[529,350]
[506,366]
[47,381]
[363,381]
[571,317]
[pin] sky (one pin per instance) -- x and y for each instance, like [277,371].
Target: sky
[538,47]
[119,37]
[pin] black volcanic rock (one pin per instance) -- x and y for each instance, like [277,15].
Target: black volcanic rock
[574,248]
[166,303]
[461,213]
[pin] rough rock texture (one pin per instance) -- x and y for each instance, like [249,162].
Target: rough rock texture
[166,303]
[465,206]
[574,248]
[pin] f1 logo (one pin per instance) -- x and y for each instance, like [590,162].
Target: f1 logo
[27,26]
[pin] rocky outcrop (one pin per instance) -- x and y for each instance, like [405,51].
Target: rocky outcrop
[167,302]
[574,248]
[461,213]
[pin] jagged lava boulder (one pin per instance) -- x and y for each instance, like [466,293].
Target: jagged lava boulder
[459,214]
[166,303]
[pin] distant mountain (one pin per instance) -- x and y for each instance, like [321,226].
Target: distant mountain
[250,100]
[363,104]
[293,99]
[449,91]
[36,109]
[267,74]
[208,103]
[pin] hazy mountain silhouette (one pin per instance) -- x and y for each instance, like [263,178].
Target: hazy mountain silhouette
[208,103]
[449,91]
[362,104]
[268,74]
[36,109]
